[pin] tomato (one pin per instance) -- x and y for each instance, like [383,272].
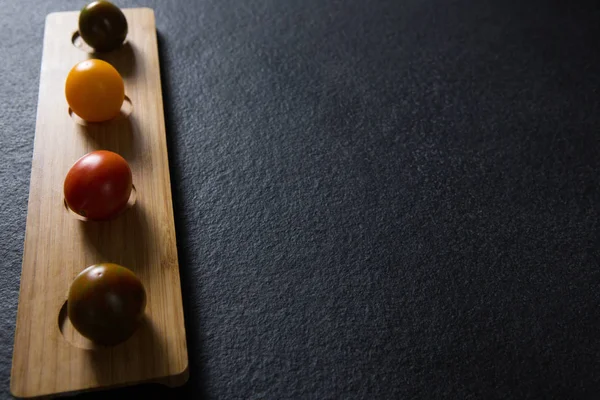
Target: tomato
[95,90]
[106,303]
[102,25]
[98,185]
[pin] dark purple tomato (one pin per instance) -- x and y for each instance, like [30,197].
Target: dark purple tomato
[106,303]
[103,26]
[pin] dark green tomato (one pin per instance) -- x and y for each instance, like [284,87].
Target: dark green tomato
[102,25]
[106,303]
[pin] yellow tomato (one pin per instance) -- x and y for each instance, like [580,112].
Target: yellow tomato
[95,90]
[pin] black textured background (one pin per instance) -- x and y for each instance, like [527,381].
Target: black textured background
[373,199]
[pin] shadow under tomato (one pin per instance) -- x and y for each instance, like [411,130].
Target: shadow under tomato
[116,135]
[123,59]
[144,353]
[125,240]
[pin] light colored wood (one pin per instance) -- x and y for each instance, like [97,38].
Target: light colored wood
[58,246]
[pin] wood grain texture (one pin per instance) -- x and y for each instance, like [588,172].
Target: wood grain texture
[57,246]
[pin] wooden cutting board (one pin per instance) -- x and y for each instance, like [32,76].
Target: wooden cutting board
[50,357]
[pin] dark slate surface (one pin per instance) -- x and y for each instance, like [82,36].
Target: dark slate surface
[373,199]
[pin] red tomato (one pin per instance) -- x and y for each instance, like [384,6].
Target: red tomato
[98,185]
[106,303]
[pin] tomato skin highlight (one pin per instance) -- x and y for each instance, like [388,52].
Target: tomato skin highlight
[98,185]
[106,303]
[95,90]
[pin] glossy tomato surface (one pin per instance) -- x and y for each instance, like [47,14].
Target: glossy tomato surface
[95,90]
[98,185]
[106,303]
[102,25]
